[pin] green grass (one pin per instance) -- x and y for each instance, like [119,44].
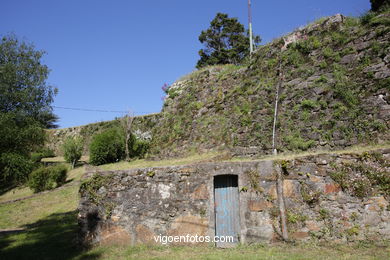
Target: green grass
[17,193]
[196,158]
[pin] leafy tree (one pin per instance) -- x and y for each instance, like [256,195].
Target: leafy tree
[73,149]
[25,109]
[107,147]
[225,42]
[377,5]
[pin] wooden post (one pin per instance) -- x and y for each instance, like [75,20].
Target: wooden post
[127,123]
[282,208]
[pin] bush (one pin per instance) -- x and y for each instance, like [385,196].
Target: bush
[138,147]
[45,178]
[73,149]
[58,174]
[15,168]
[37,156]
[40,180]
[107,147]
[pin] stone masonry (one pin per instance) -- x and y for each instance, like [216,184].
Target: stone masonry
[132,206]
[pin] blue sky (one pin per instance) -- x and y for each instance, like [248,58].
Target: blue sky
[116,55]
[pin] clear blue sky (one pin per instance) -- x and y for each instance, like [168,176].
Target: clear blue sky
[116,55]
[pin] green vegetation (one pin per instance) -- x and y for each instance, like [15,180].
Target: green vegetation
[296,142]
[45,178]
[362,179]
[225,42]
[24,108]
[73,150]
[377,5]
[107,147]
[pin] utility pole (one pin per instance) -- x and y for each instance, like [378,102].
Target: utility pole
[250,27]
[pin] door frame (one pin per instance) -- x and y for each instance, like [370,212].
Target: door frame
[212,220]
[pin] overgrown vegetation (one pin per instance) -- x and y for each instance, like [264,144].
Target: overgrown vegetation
[362,179]
[73,150]
[24,108]
[46,178]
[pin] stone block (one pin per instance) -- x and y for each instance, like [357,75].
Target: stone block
[259,205]
[332,188]
[300,235]
[188,224]
[144,235]
[200,193]
[114,235]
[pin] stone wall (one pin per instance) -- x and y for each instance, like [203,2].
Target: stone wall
[142,128]
[324,198]
[335,93]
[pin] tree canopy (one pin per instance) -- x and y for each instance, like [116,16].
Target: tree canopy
[377,5]
[226,41]
[25,100]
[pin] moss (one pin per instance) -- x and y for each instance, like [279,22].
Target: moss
[254,181]
[309,104]
[353,231]
[361,179]
[92,186]
[296,142]
[295,218]
[309,195]
[323,214]
[151,174]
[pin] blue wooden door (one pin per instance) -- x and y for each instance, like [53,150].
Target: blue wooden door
[226,209]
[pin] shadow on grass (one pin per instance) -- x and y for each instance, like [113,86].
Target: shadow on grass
[54,237]
[6,188]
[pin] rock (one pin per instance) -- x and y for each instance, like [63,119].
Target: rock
[259,205]
[300,235]
[362,45]
[332,188]
[114,235]
[200,193]
[144,235]
[347,59]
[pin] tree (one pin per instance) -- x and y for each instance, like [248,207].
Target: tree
[127,122]
[377,5]
[225,41]
[73,149]
[25,109]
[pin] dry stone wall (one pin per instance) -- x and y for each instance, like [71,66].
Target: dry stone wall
[323,198]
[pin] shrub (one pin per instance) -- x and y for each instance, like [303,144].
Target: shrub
[37,156]
[44,178]
[140,148]
[40,180]
[46,152]
[296,142]
[58,174]
[309,104]
[15,168]
[107,147]
[73,149]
